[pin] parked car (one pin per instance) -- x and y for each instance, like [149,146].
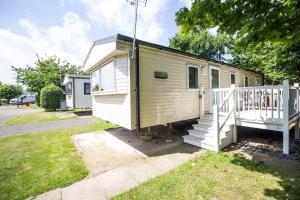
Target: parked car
[23,99]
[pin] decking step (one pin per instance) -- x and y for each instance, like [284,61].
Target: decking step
[207,135]
[197,142]
[205,128]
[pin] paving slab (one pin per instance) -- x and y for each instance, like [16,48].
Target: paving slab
[102,151]
[115,181]
[52,195]
[142,171]
[87,189]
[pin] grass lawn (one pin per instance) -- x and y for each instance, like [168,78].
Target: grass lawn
[34,163]
[220,176]
[41,116]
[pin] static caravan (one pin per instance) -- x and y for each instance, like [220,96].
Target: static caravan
[78,91]
[160,86]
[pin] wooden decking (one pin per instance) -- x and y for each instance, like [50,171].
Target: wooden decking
[266,107]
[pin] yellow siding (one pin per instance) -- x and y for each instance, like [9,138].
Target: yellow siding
[165,100]
[168,100]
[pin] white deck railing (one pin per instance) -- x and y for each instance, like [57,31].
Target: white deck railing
[278,104]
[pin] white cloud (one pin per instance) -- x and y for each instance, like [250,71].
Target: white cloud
[69,41]
[118,15]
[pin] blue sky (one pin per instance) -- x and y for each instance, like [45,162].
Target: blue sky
[66,28]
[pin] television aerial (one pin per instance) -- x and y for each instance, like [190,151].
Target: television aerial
[136,4]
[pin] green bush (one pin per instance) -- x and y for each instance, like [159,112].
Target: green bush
[50,97]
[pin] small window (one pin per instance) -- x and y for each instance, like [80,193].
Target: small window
[107,77]
[246,81]
[95,81]
[87,88]
[193,77]
[69,88]
[257,82]
[232,79]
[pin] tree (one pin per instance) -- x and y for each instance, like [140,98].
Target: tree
[9,91]
[201,43]
[266,33]
[252,21]
[45,71]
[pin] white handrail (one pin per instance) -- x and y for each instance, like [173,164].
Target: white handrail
[225,105]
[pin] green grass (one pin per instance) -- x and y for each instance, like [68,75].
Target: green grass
[34,163]
[220,176]
[42,116]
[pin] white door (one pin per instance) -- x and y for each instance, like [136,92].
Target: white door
[214,83]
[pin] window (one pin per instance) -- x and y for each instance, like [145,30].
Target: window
[246,81]
[257,81]
[232,79]
[69,88]
[107,77]
[193,77]
[87,88]
[95,81]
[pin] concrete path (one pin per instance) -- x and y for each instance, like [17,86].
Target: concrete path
[117,164]
[42,126]
[118,180]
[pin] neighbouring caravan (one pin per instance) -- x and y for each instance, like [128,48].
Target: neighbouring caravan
[161,85]
[78,91]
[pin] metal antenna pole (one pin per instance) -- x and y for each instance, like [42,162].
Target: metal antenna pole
[136,3]
[134,29]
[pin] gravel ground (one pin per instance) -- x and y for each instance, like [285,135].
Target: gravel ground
[269,145]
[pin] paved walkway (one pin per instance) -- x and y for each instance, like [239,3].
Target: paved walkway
[42,126]
[117,180]
[117,164]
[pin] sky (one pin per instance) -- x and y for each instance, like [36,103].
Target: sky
[67,28]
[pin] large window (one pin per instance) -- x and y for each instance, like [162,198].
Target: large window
[193,77]
[95,81]
[107,77]
[87,88]
[246,81]
[232,79]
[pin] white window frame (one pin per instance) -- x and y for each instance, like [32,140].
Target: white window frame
[232,73]
[95,71]
[113,90]
[188,78]
[245,81]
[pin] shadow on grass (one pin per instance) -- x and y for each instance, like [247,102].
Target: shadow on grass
[288,180]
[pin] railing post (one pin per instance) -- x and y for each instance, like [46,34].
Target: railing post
[234,101]
[216,127]
[285,128]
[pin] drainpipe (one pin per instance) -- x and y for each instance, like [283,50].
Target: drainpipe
[137,87]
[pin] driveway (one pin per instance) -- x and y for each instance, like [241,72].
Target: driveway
[7,112]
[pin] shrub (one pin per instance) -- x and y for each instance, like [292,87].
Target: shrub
[50,97]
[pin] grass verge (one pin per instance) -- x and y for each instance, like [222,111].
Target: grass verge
[36,117]
[38,162]
[220,176]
